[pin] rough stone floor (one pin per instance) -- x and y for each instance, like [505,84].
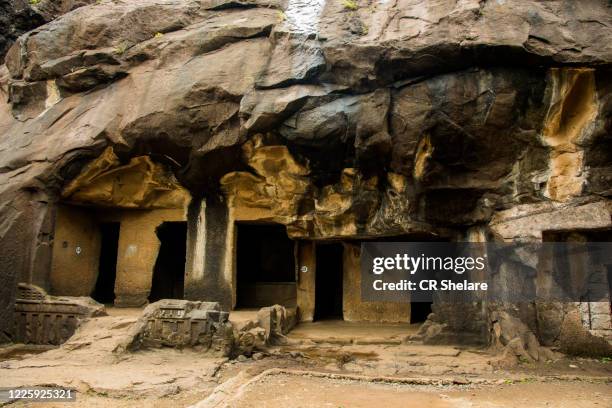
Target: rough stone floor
[340,332]
[305,372]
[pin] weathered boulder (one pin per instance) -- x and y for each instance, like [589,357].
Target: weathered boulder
[20,16]
[444,326]
[517,339]
[276,321]
[268,328]
[181,323]
[249,337]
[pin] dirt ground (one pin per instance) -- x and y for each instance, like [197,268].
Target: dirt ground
[284,390]
[354,369]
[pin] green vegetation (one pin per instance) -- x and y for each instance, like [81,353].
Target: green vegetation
[121,48]
[523,360]
[350,4]
[34,2]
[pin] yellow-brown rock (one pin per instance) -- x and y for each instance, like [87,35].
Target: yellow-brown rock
[572,109]
[277,183]
[141,184]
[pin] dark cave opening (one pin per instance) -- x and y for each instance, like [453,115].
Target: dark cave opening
[169,271]
[328,281]
[419,311]
[104,290]
[265,266]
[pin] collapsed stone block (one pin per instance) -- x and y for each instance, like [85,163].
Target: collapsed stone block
[44,319]
[276,321]
[182,323]
[269,327]
[249,340]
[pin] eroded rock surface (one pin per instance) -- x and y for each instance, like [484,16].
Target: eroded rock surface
[182,323]
[20,16]
[50,320]
[382,119]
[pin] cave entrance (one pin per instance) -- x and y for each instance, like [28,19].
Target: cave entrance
[414,313]
[104,289]
[419,311]
[169,270]
[329,281]
[265,266]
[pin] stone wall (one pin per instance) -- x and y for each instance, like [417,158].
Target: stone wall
[356,310]
[74,273]
[138,250]
[307,264]
[26,243]
[76,252]
[140,196]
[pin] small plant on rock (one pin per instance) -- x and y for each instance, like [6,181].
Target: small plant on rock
[350,4]
[121,48]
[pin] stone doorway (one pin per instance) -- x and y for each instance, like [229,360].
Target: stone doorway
[419,311]
[265,266]
[117,225]
[329,282]
[169,271]
[104,290]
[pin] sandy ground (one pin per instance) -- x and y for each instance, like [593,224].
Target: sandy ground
[313,373]
[341,332]
[87,363]
[306,391]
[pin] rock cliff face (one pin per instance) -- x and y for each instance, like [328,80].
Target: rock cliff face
[20,16]
[456,118]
